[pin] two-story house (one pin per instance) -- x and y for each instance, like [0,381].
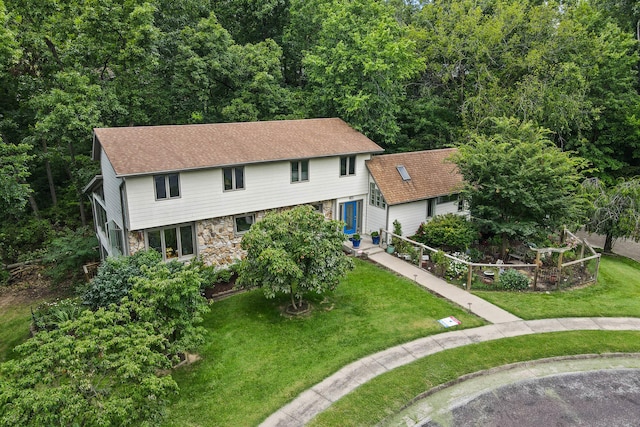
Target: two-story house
[193,190]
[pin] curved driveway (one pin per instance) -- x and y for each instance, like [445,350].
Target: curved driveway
[319,397]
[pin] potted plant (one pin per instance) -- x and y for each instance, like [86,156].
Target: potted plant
[355,239]
[375,237]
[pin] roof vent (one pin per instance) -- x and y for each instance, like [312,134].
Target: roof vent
[403,173]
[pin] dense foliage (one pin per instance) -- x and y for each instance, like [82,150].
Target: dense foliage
[518,183]
[410,75]
[107,366]
[450,231]
[294,252]
[513,280]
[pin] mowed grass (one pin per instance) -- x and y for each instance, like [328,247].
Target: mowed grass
[14,329]
[387,394]
[256,360]
[617,294]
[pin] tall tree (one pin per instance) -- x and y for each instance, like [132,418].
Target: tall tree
[566,67]
[14,170]
[518,182]
[360,66]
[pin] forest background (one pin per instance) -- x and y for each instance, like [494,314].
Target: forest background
[411,75]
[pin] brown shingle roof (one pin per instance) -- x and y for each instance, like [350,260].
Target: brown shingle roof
[431,175]
[149,149]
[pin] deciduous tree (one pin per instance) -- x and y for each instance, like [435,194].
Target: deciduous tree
[518,182]
[294,252]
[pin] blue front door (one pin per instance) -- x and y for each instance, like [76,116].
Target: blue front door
[350,217]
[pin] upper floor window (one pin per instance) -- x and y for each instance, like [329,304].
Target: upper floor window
[300,171]
[167,186]
[347,165]
[375,196]
[233,178]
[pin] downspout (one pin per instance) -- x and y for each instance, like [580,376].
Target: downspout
[125,224]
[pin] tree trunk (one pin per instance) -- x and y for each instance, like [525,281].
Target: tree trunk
[504,246]
[47,165]
[608,243]
[83,215]
[34,206]
[293,301]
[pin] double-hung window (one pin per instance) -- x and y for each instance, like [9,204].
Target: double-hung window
[300,171]
[233,178]
[174,242]
[347,165]
[167,186]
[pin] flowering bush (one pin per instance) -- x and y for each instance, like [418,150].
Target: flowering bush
[457,269]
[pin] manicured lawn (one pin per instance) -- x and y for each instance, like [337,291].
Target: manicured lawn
[14,329]
[617,293]
[388,393]
[256,360]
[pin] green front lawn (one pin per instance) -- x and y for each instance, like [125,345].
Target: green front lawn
[388,393]
[257,360]
[617,294]
[14,328]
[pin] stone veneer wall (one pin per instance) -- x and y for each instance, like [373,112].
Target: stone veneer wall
[215,238]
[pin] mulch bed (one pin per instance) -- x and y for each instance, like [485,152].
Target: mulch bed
[222,290]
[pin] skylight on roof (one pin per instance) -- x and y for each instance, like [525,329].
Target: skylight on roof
[403,173]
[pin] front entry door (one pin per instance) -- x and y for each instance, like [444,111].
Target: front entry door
[350,217]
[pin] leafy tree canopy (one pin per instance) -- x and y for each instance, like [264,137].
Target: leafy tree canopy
[517,181]
[109,366]
[294,252]
[14,170]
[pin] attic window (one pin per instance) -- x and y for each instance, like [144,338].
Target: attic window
[403,173]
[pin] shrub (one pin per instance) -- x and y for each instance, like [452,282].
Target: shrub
[513,280]
[457,269]
[19,238]
[50,315]
[68,251]
[115,278]
[441,262]
[449,231]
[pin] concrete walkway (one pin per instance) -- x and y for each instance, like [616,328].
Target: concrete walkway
[455,294]
[504,324]
[321,396]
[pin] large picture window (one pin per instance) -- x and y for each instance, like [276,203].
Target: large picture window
[175,242]
[300,171]
[167,186]
[347,165]
[233,178]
